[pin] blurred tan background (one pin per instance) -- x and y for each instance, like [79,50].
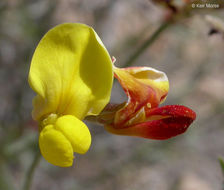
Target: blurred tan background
[192,60]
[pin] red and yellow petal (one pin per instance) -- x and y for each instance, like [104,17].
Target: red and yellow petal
[161,123]
[145,87]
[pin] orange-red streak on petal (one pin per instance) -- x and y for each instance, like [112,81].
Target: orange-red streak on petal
[139,95]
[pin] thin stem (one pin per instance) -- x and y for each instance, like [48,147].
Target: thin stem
[31,170]
[147,43]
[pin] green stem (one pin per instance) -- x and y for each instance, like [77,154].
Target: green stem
[31,170]
[147,43]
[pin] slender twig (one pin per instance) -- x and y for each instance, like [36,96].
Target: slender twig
[31,170]
[147,43]
[221,162]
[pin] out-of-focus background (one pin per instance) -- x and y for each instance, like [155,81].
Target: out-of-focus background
[192,60]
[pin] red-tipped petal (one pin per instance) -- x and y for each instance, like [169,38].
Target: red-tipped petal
[162,123]
[173,111]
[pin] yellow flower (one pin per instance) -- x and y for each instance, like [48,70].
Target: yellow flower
[71,73]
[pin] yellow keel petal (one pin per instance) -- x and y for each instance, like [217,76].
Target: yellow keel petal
[61,137]
[55,147]
[75,131]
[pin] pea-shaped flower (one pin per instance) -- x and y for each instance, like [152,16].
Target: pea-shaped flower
[146,88]
[71,73]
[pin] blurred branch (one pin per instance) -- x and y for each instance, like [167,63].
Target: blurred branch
[6,181]
[31,170]
[221,162]
[147,43]
[216,24]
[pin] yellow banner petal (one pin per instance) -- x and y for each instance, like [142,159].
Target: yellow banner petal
[71,72]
